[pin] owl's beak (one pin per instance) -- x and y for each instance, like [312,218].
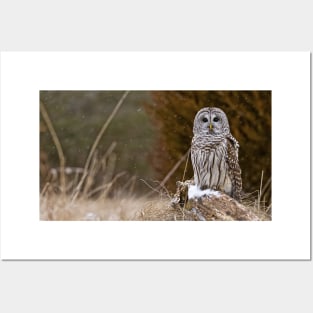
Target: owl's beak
[210,126]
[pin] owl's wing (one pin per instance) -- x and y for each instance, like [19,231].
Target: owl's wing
[233,166]
[195,161]
[234,143]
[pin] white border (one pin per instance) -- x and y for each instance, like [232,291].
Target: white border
[23,236]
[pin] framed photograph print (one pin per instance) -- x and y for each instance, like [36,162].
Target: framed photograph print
[155,156]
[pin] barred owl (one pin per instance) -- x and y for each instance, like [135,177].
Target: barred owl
[214,153]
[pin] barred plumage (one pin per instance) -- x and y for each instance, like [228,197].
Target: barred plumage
[214,153]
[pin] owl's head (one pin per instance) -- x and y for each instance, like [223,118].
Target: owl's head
[211,121]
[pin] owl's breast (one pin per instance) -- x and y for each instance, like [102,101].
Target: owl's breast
[209,160]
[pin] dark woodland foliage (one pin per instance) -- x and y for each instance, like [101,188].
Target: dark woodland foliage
[249,115]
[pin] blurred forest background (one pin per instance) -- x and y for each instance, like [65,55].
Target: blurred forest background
[146,145]
[78,116]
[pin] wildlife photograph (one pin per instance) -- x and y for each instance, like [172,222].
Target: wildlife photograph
[156,155]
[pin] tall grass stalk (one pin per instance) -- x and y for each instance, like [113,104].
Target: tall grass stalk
[95,144]
[57,144]
[260,191]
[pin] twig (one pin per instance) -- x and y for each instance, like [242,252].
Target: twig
[173,170]
[108,186]
[260,193]
[45,188]
[186,166]
[170,173]
[152,188]
[96,142]
[130,185]
[109,150]
[57,144]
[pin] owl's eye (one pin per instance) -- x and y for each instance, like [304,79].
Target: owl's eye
[204,120]
[216,119]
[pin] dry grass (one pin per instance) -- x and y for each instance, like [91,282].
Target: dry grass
[260,201]
[77,194]
[90,193]
[73,197]
[125,207]
[59,208]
